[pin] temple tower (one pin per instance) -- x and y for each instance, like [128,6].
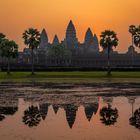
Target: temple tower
[88,37]
[55,41]
[71,39]
[43,39]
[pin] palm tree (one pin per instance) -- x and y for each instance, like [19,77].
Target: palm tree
[108,41]
[137,37]
[9,49]
[32,39]
[132,30]
[2,37]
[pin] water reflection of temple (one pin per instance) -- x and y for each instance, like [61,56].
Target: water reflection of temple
[44,110]
[8,107]
[6,111]
[55,108]
[91,109]
[70,110]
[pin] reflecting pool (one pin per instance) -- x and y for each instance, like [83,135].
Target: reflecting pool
[81,113]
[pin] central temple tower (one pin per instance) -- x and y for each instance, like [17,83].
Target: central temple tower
[71,39]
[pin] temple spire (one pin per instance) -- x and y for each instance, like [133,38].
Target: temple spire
[88,36]
[55,40]
[71,39]
[43,39]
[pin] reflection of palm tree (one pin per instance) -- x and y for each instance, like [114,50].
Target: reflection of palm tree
[131,100]
[108,115]
[135,119]
[44,110]
[55,108]
[70,110]
[32,116]
[108,100]
[90,109]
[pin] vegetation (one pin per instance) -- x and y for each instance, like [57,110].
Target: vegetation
[137,37]
[76,74]
[108,40]
[32,39]
[132,30]
[8,49]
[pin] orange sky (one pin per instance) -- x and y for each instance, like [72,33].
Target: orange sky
[54,15]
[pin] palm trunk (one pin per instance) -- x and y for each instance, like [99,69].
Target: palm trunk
[32,62]
[108,62]
[132,51]
[8,66]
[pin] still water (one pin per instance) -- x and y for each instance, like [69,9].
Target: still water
[32,114]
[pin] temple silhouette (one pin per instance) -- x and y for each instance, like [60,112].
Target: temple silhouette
[71,53]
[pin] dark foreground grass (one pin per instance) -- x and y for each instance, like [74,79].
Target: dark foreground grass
[20,75]
[70,77]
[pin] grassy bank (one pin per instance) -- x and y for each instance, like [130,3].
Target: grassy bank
[19,75]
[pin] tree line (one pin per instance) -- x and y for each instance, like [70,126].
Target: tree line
[31,37]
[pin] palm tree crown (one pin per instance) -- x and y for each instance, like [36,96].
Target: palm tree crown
[137,37]
[31,38]
[9,48]
[132,29]
[108,39]
[2,36]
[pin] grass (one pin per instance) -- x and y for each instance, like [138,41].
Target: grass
[70,77]
[77,74]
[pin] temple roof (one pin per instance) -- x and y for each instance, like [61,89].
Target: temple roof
[55,40]
[88,36]
[71,26]
[44,39]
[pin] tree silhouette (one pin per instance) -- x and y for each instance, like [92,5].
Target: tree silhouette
[135,119]
[137,37]
[9,49]
[108,41]
[108,115]
[32,39]
[32,116]
[132,31]
[2,37]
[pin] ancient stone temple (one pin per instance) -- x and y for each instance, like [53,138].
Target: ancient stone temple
[69,52]
[55,41]
[44,39]
[71,40]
